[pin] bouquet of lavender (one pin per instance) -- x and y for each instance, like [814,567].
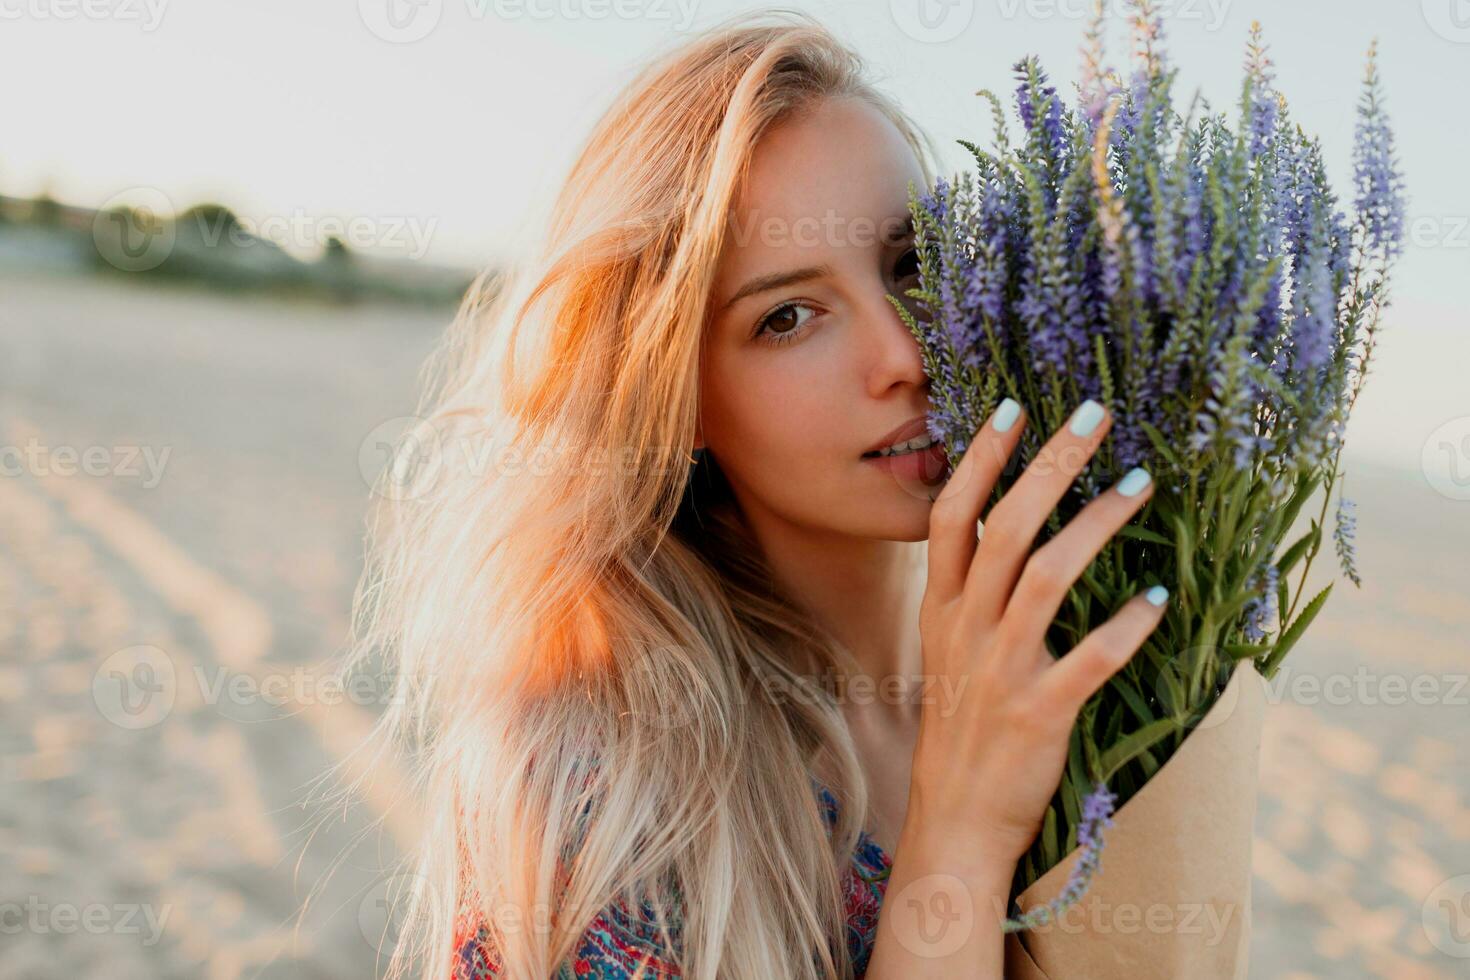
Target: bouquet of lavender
[1200,281]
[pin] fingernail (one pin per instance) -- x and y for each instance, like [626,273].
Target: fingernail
[1086,418]
[1136,479]
[1005,415]
[1157,595]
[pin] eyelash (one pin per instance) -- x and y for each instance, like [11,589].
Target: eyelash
[778,339]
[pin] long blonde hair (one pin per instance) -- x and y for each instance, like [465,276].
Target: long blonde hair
[600,693]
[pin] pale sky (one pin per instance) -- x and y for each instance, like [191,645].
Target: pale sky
[447,124]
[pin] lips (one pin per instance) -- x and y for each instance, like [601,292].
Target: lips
[911,429]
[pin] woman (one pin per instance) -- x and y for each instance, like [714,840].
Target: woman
[699,720]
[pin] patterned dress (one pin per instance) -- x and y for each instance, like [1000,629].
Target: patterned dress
[619,939]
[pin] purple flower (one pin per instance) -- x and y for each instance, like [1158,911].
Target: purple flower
[1342,536]
[1380,197]
[1097,813]
[1260,610]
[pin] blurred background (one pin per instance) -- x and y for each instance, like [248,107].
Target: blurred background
[231,230]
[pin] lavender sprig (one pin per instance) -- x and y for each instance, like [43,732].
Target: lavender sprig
[1097,813]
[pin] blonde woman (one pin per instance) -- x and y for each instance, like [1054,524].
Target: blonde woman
[693,675]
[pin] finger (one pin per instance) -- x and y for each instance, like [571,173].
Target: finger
[1013,523]
[1067,684]
[1054,568]
[954,512]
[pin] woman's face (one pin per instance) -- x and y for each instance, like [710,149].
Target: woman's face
[807,365]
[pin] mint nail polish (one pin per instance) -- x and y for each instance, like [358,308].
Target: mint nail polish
[1134,482]
[1086,418]
[1005,415]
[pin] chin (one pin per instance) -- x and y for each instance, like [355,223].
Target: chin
[905,519]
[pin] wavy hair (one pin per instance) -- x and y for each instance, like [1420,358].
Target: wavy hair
[598,691]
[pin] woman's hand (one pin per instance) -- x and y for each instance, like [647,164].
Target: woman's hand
[986,766]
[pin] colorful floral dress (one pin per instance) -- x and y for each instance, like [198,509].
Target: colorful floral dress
[619,939]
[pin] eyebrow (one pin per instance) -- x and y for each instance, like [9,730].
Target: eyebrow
[776,280]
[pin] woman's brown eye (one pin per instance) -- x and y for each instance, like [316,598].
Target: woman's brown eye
[782,320]
[785,323]
[908,264]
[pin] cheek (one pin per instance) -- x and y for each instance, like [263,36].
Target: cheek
[785,419]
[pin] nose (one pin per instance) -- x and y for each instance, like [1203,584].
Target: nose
[891,354]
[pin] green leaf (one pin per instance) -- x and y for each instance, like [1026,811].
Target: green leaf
[1184,546]
[1124,751]
[1298,548]
[1049,847]
[1304,487]
[1134,700]
[1144,534]
[1227,611]
[1171,690]
[1294,632]
[1161,445]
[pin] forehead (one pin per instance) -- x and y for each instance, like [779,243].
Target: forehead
[841,159]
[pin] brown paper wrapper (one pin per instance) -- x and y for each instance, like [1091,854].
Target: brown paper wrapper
[1171,898]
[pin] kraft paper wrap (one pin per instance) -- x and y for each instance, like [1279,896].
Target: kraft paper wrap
[1171,898]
